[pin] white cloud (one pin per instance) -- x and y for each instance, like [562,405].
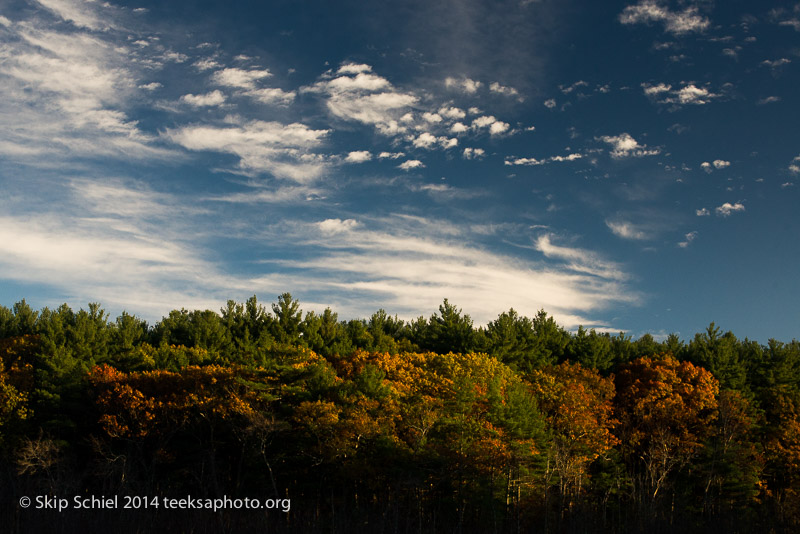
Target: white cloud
[473,153]
[503,90]
[775,63]
[728,208]
[716,164]
[577,85]
[283,150]
[337,226]
[411,164]
[425,140]
[214,98]
[691,236]
[432,118]
[176,57]
[354,68]
[651,90]
[550,103]
[5,21]
[787,184]
[732,52]
[458,128]
[444,192]
[692,94]
[498,127]
[283,195]
[768,100]
[466,85]
[152,86]
[678,23]
[552,159]
[569,157]
[525,161]
[272,95]
[624,146]
[483,122]
[627,230]
[452,113]
[702,212]
[206,64]
[360,82]
[358,156]
[391,155]
[448,143]
[689,94]
[366,98]
[243,79]
[495,126]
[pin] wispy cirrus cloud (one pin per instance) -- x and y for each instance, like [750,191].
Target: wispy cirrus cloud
[411,266]
[580,260]
[282,150]
[81,13]
[768,100]
[117,242]
[627,230]
[67,92]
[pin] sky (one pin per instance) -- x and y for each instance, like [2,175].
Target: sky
[626,166]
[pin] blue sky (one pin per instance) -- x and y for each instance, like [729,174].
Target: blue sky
[626,166]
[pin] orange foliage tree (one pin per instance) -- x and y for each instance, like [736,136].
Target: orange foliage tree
[578,404]
[136,405]
[665,408]
[16,384]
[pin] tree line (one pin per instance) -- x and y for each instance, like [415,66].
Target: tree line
[384,425]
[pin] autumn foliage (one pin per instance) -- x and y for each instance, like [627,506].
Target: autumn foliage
[373,425]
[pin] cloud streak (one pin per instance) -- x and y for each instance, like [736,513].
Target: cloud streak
[412,268]
[282,150]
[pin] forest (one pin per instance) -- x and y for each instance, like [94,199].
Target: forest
[392,426]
